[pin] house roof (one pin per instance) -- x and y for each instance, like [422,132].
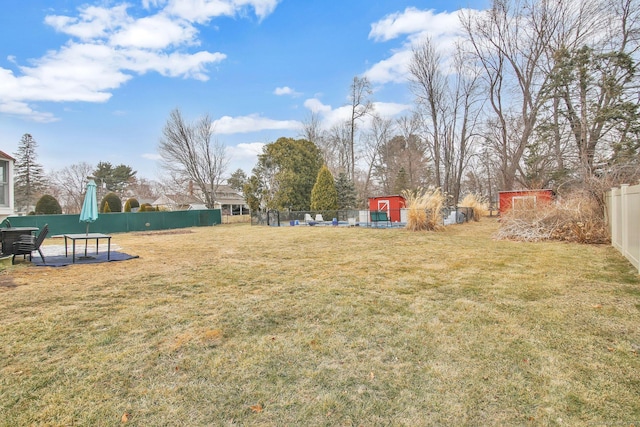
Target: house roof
[177,199]
[6,156]
[225,195]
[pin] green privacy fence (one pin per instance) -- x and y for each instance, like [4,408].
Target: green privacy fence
[119,222]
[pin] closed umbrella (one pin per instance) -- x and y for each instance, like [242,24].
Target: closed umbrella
[89,212]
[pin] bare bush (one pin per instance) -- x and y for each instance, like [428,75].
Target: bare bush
[576,218]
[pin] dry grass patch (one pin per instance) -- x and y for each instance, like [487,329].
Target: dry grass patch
[241,325]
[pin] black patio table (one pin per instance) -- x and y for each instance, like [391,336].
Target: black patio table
[86,237]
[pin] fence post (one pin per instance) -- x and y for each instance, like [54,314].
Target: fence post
[613,212]
[625,219]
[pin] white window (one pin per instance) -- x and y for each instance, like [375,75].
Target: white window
[4,183]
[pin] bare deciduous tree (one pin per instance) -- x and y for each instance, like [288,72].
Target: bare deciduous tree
[361,105]
[510,43]
[338,149]
[190,153]
[449,101]
[312,131]
[380,132]
[68,185]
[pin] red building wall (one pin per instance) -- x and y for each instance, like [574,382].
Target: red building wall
[523,199]
[389,204]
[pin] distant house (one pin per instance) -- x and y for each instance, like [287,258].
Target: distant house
[7,204]
[230,201]
[178,202]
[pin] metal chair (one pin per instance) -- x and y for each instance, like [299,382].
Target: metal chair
[26,244]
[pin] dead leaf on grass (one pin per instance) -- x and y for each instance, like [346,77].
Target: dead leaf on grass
[126,417]
[256,408]
[181,340]
[597,306]
[212,335]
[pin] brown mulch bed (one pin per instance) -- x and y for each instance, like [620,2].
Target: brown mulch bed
[157,233]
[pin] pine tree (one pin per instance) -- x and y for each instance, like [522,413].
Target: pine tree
[324,196]
[29,175]
[347,198]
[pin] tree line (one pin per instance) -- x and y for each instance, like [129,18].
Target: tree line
[536,94]
[63,190]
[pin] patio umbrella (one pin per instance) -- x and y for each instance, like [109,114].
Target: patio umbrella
[89,212]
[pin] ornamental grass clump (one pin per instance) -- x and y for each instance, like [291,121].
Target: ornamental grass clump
[424,209]
[477,203]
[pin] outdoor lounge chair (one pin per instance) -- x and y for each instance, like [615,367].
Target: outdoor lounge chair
[26,244]
[307,218]
[319,218]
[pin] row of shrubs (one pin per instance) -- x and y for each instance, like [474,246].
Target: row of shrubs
[49,205]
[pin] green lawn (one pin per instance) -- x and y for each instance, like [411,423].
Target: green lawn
[313,326]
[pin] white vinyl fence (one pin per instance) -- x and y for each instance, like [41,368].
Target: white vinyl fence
[623,212]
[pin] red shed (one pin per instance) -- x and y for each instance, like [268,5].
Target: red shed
[523,199]
[390,204]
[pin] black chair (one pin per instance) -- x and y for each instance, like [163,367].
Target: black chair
[27,243]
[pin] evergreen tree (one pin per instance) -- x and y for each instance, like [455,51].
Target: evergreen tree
[347,197]
[48,205]
[116,179]
[111,201]
[286,171]
[324,196]
[29,175]
[131,203]
[237,180]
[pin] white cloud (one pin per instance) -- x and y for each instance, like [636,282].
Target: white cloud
[23,109]
[152,156]
[108,47]
[148,4]
[92,23]
[174,64]
[155,32]
[244,156]
[331,117]
[393,69]
[285,90]
[262,8]
[316,106]
[413,26]
[251,123]
[201,11]
[390,109]
[413,21]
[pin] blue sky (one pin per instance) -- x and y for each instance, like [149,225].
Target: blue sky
[96,80]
